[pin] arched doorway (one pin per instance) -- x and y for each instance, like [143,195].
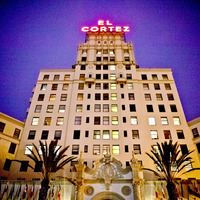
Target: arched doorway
[107,196]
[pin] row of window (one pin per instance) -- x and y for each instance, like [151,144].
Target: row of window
[49,109]
[45,134]
[52,97]
[16,133]
[54,87]
[47,121]
[56,77]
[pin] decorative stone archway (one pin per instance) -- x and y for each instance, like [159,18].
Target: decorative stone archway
[107,196]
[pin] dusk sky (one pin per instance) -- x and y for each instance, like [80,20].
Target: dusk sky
[44,34]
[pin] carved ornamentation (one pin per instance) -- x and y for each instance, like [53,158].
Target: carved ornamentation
[126,190]
[89,190]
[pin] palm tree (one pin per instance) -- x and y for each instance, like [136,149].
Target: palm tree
[169,163]
[51,159]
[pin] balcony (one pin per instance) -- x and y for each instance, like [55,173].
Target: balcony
[121,80]
[89,80]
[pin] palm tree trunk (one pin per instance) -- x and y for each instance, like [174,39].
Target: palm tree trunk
[44,189]
[172,191]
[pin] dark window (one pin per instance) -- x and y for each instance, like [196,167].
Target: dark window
[156,86]
[154,77]
[84,59]
[173,108]
[17,133]
[88,107]
[24,166]
[57,135]
[12,148]
[44,135]
[167,134]
[125,134]
[195,132]
[76,134]
[123,107]
[126,148]
[132,108]
[149,108]
[198,147]
[127,163]
[31,135]
[97,96]
[41,97]
[105,67]
[122,96]
[180,134]
[56,77]
[105,96]
[167,86]
[161,108]
[85,163]
[129,76]
[105,86]
[54,87]
[184,148]
[98,76]
[98,67]
[38,166]
[97,120]
[82,67]
[120,75]
[87,120]
[105,76]
[121,85]
[170,97]
[85,148]
[46,77]
[89,85]
[2,126]
[128,67]
[144,77]
[98,59]
[86,133]
[89,96]
[7,165]
[124,119]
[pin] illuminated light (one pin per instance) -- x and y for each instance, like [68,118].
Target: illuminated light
[100,22]
[126,29]
[108,23]
[103,28]
[85,29]
[111,28]
[94,29]
[118,28]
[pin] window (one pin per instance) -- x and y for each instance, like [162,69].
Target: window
[97,108]
[84,59]
[24,166]
[38,108]
[130,86]
[97,120]
[126,58]
[85,148]
[35,121]
[167,86]
[44,135]
[114,120]
[180,134]
[98,59]
[38,166]
[97,135]
[98,76]
[154,134]
[2,126]
[145,86]
[167,134]
[56,77]
[128,67]
[81,86]
[154,77]
[195,132]
[52,97]
[96,149]
[132,108]
[155,149]
[97,96]
[149,108]
[99,52]
[80,96]
[144,77]
[198,147]
[136,149]
[156,86]
[43,87]
[131,96]
[114,108]
[184,149]
[112,67]
[159,97]
[77,121]
[46,77]
[16,133]
[126,148]
[47,121]
[67,77]
[61,109]
[76,134]
[57,135]
[115,134]
[105,59]
[63,97]
[164,76]
[60,121]
[170,97]
[98,67]
[12,148]
[105,107]
[105,67]
[114,96]
[97,86]
[176,120]
[41,97]
[106,120]
[28,149]
[115,149]
[49,109]
[113,86]
[173,108]
[135,134]
[106,148]
[129,76]
[161,108]
[89,96]
[65,86]
[31,135]
[81,77]
[105,96]
[105,86]
[79,107]
[106,134]
[75,149]
[147,97]
[105,51]
[152,121]
[54,87]
[7,165]
[87,120]
[113,76]
[134,120]
[86,133]
[121,85]
[125,134]
[123,107]
[164,121]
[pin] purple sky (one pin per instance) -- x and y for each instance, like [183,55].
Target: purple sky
[43,34]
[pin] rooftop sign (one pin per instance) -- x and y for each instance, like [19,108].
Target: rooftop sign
[105,26]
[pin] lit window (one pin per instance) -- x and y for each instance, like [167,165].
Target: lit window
[113,96]
[114,107]
[114,120]
[46,77]
[167,86]
[54,87]
[136,149]
[111,51]
[145,86]
[82,76]
[106,120]
[135,134]
[113,76]
[167,134]
[60,121]
[47,121]
[31,135]
[152,121]
[38,108]
[65,86]
[134,120]
[35,121]
[106,148]
[77,121]
[113,86]
[97,135]
[130,86]
[80,96]
[56,77]
[41,97]
[131,96]
[97,120]
[147,97]
[188,165]
[99,52]
[49,109]
[164,76]
[97,86]
[75,149]
[105,51]
[28,149]
[61,109]
[43,87]
[156,86]
[57,135]
[44,135]
[16,133]
[176,121]
[79,107]
[63,97]
[96,149]
[170,97]
[97,107]
[85,148]
[155,149]
[105,107]
[115,149]
[159,97]
[67,77]
[115,134]
[52,97]
[164,121]
[154,77]
[154,134]
[81,86]
[112,67]
[106,134]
